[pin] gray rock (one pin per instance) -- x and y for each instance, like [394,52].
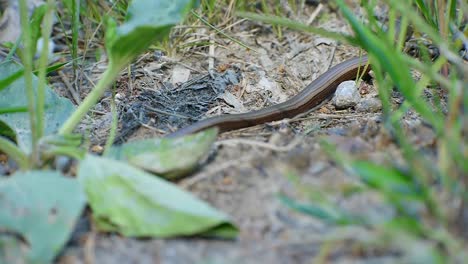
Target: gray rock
[346,95]
[369,105]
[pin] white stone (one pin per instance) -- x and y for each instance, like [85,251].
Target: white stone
[346,95]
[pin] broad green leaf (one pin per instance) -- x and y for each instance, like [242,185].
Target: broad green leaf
[147,22]
[134,203]
[39,211]
[169,157]
[58,109]
[9,79]
[6,80]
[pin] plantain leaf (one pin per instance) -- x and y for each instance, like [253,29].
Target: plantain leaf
[39,211]
[147,21]
[58,109]
[169,157]
[134,203]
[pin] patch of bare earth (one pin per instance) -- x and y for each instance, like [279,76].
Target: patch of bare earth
[250,167]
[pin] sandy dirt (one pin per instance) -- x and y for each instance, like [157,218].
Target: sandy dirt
[249,168]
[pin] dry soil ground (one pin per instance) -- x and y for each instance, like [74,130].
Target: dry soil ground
[250,167]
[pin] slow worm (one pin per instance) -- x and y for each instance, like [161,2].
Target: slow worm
[318,91]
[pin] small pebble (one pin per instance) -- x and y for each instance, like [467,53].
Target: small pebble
[369,105]
[346,95]
[119,97]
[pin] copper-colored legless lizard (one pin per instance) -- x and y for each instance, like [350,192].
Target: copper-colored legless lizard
[311,96]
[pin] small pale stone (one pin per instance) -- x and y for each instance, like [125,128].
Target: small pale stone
[119,97]
[346,95]
[180,75]
[369,105]
[40,45]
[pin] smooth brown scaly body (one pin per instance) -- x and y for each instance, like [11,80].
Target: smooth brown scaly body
[314,94]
